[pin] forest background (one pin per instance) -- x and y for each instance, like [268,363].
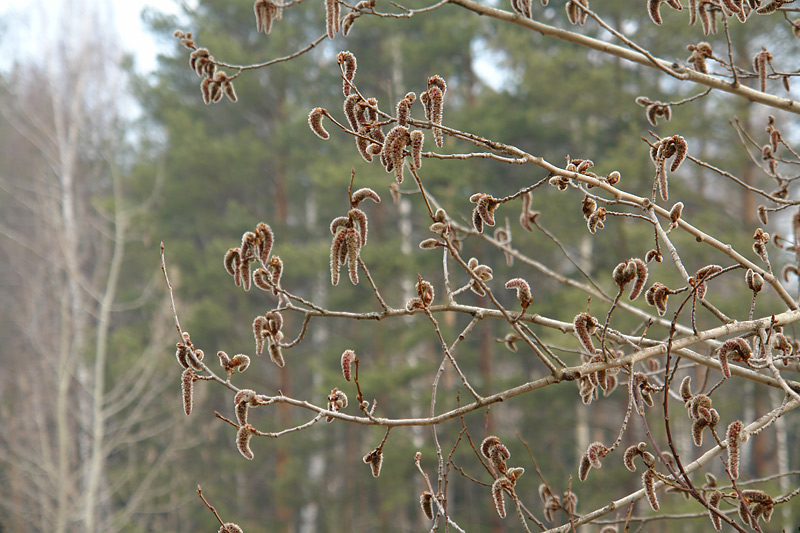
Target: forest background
[99,164]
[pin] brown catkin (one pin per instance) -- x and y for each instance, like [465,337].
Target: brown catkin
[523,291]
[349,108]
[435,102]
[734,437]
[498,486]
[188,378]
[585,325]
[417,139]
[375,460]
[648,481]
[339,242]
[353,241]
[231,261]
[627,459]
[713,501]
[697,431]
[243,441]
[331,19]
[595,452]
[347,60]
[641,277]
[363,194]
[653,10]
[240,362]
[348,356]
[241,413]
[259,324]
[276,354]
[584,467]
[315,122]
[487,445]
[498,456]
[358,219]
[426,503]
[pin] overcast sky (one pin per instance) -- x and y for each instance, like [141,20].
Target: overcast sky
[22,17]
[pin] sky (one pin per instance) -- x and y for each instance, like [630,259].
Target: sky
[22,17]
[126,18]
[133,33]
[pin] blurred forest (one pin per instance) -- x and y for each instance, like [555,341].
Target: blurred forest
[94,437]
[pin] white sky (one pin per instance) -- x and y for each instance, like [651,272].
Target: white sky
[22,21]
[133,33]
[22,16]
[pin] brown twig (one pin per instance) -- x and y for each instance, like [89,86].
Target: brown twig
[210,507]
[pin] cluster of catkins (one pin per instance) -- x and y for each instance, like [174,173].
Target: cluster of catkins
[243,401]
[648,476]
[591,459]
[707,12]
[440,227]
[267,328]
[497,454]
[753,504]
[424,297]
[484,210]
[662,150]
[576,14]
[375,460]
[699,53]
[737,349]
[190,359]
[568,502]
[658,293]
[654,109]
[698,406]
[216,83]
[266,12]
[768,152]
[362,117]
[337,400]
[597,451]
[604,379]
[349,236]
[481,272]
[256,246]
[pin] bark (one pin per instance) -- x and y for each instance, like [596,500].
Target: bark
[98,452]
